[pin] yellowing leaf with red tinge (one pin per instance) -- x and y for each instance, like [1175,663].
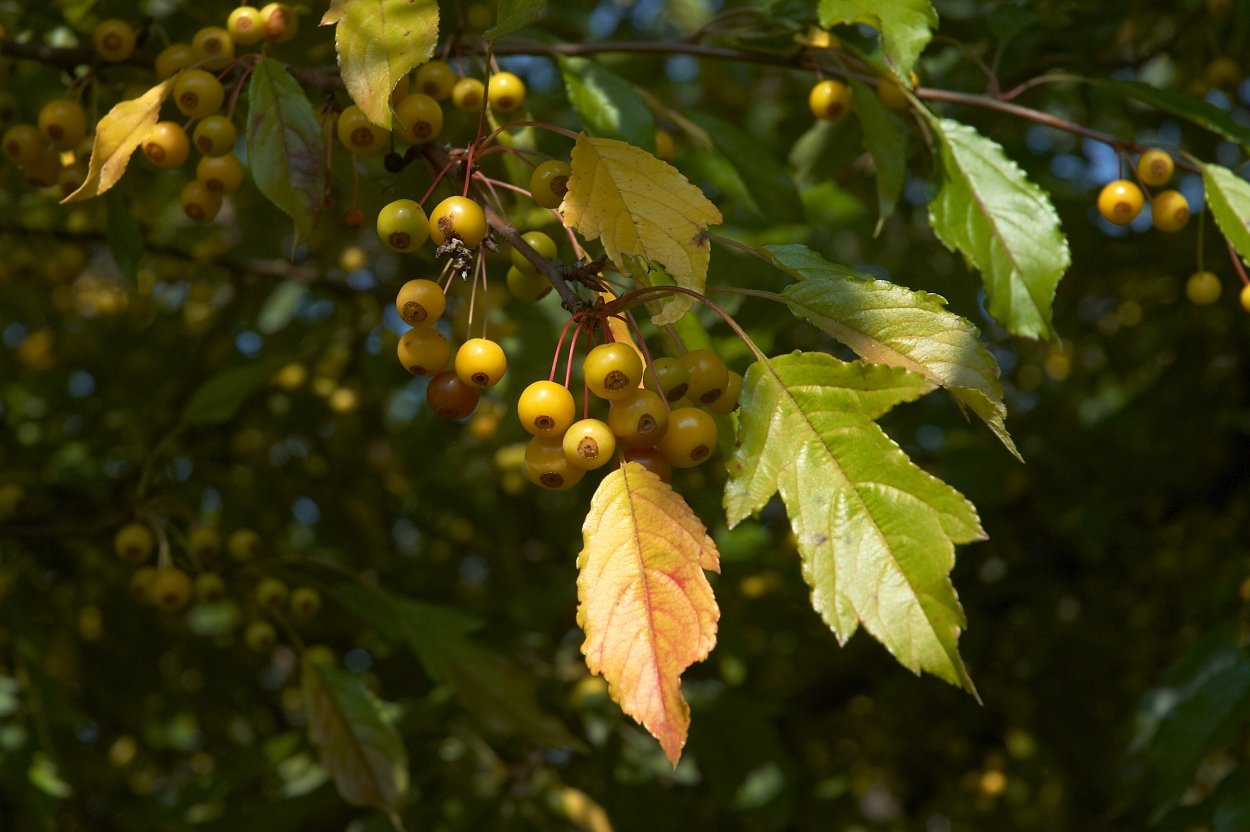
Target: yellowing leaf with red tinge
[117,137]
[642,207]
[645,605]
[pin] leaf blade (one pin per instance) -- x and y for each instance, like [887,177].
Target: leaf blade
[644,602]
[769,185]
[1188,107]
[1003,224]
[607,104]
[1228,195]
[514,15]
[886,143]
[906,26]
[117,136]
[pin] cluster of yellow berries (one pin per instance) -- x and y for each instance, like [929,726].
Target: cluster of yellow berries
[170,589]
[1121,201]
[662,425]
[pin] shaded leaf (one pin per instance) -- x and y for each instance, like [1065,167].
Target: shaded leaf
[281,305]
[378,43]
[124,236]
[117,136]
[905,26]
[285,150]
[515,14]
[607,104]
[1006,226]
[219,399]
[644,603]
[359,748]
[875,532]
[889,324]
[769,185]
[640,206]
[1188,107]
[886,143]
[1229,197]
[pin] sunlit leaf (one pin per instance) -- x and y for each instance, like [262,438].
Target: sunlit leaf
[875,532]
[359,748]
[1229,197]
[889,324]
[905,25]
[379,42]
[515,14]
[886,142]
[645,604]
[285,150]
[1006,226]
[640,206]
[607,104]
[117,136]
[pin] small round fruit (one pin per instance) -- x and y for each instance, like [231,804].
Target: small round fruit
[170,589]
[640,419]
[652,460]
[200,202]
[271,593]
[458,216]
[403,226]
[63,122]
[421,118]
[1203,288]
[538,241]
[353,218]
[1120,201]
[114,40]
[690,438]
[670,375]
[141,583]
[359,135]
[830,100]
[505,92]
[435,79]
[214,48]
[708,376]
[1223,72]
[45,170]
[167,145]
[527,287]
[319,654]
[245,25]
[215,136]
[1244,297]
[134,542]
[665,146]
[279,22]
[1155,168]
[612,371]
[172,58]
[244,545]
[891,92]
[420,301]
[198,93]
[449,397]
[546,409]
[589,444]
[305,602]
[260,636]
[220,174]
[728,401]
[550,182]
[423,350]
[481,362]
[546,465]
[23,143]
[203,543]
[209,588]
[467,94]
[1169,210]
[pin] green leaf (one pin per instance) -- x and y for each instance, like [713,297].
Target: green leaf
[886,143]
[823,151]
[1005,226]
[875,532]
[1229,197]
[769,185]
[905,26]
[607,104]
[488,684]
[281,305]
[284,147]
[515,14]
[124,236]
[888,324]
[379,42]
[359,748]
[219,399]
[1179,104]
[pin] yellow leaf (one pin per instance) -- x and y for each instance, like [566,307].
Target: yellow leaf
[116,138]
[645,605]
[642,207]
[335,13]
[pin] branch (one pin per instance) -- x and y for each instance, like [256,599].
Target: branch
[553,271]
